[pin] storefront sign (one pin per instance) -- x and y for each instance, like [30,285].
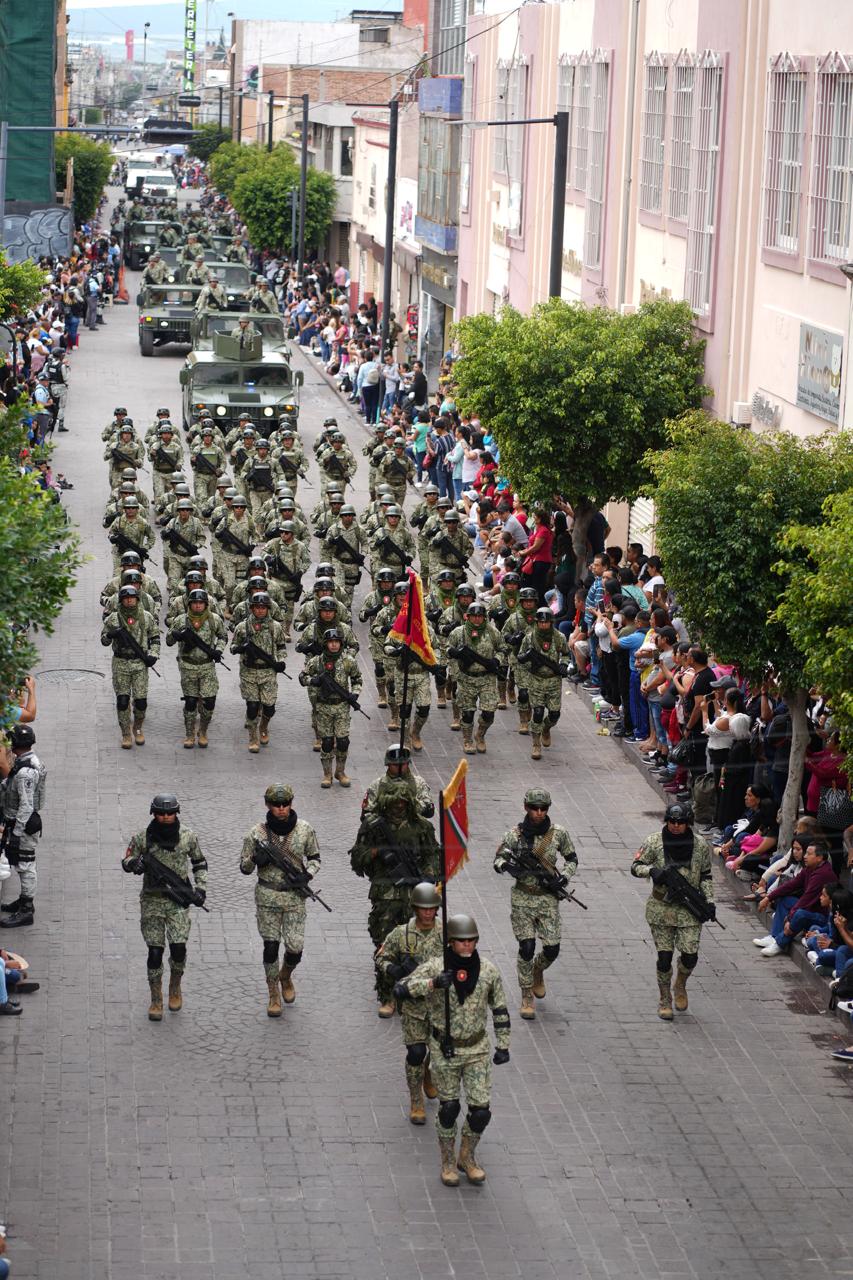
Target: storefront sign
[189,45]
[819,372]
[438,276]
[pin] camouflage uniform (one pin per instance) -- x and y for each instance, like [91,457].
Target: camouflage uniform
[130,674]
[418,685]
[204,481]
[125,531]
[161,919]
[437,604]
[199,682]
[410,946]
[292,463]
[165,458]
[192,532]
[280,912]
[337,467]
[109,595]
[380,833]
[234,562]
[534,912]
[287,563]
[258,480]
[398,470]
[450,548]
[240,611]
[499,611]
[331,714]
[259,680]
[514,632]
[345,548]
[420,519]
[22,794]
[411,781]
[392,547]
[476,685]
[544,688]
[673,928]
[133,456]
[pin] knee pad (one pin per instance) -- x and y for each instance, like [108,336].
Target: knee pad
[209,703]
[526,948]
[327,745]
[553,717]
[122,701]
[253,710]
[538,715]
[551,952]
[664,961]
[141,704]
[468,717]
[190,704]
[440,674]
[523,698]
[448,1113]
[178,952]
[689,961]
[423,712]
[342,745]
[478,1118]
[292,958]
[268,710]
[270,952]
[155,957]
[487,717]
[416,1054]
[379,670]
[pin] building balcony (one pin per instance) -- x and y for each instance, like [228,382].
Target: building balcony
[439,236]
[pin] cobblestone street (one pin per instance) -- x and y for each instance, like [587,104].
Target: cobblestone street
[221,1144]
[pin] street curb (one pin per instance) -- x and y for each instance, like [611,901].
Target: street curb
[797,954]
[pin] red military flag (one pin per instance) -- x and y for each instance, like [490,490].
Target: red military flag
[410,625]
[454,822]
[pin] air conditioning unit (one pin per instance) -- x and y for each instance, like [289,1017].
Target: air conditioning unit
[741,413]
[627,309]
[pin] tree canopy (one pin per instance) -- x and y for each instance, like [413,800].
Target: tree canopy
[206,139]
[576,395]
[20,287]
[92,164]
[259,183]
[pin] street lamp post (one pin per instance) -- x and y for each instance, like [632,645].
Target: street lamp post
[145,61]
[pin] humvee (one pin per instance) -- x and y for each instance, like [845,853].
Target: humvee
[271,329]
[165,315]
[237,377]
[140,241]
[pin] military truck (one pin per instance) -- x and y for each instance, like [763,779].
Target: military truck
[237,281]
[271,329]
[140,241]
[237,377]
[165,315]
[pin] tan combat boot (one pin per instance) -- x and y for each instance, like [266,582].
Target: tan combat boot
[502,695]
[382,690]
[155,1009]
[468,739]
[528,1008]
[189,731]
[466,1161]
[546,735]
[417,741]
[429,1088]
[480,739]
[202,733]
[679,990]
[441,696]
[387,1009]
[326,762]
[449,1176]
[126,740]
[288,991]
[138,735]
[175,998]
[417,1110]
[524,720]
[536,747]
[340,771]
[254,745]
[538,982]
[510,689]
[394,722]
[274,1002]
[263,732]
[665,1005]
[455,722]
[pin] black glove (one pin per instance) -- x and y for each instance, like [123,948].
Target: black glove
[302,646]
[397,972]
[562,881]
[455,651]
[199,896]
[217,655]
[261,858]
[442,980]
[512,870]
[564,668]
[500,1057]
[13,851]
[712,911]
[657,874]
[315,681]
[238,648]
[151,659]
[400,991]
[134,866]
[280,667]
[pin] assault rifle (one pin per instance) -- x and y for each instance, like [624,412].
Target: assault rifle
[262,658]
[525,863]
[397,468]
[123,637]
[389,548]
[173,885]
[191,637]
[260,477]
[536,661]
[447,548]
[203,464]
[120,456]
[331,685]
[163,458]
[173,537]
[468,657]
[681,893]
[227,538]
[296,880]
[346,553]
[279,570]
[499,617]
[124,543]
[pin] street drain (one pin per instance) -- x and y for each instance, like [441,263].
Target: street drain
[69,675]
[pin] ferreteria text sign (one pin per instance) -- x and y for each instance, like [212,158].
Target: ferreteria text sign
[819,371]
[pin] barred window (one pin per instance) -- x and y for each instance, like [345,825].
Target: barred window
[595,177]
[704,180]
[438,171]
[584,88]
[509,140]
[565,99]
[684,75]
[452,16]
[371,191]
[833,160]
[467,139]
[652,135]
[783,161]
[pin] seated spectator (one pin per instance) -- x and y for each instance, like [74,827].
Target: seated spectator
[797,902]
[790,864]
[823,941]
[758,812]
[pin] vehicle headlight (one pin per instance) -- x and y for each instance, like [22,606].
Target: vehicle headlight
[170,279]
[221,411]
[231,297]
[147,319]
[164,324]
[289,408]
[146,247]
[268,412]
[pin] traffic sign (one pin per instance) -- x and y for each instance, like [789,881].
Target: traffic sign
[189,100]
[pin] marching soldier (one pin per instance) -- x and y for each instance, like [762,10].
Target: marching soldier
[450,548]
[132,578]
[285,852]
[344,545]
[335,680]
[374,451]
[207,460]
[518,626]
[478,650]
[418,520]
[184,535]
[147,584]
[161,416]
[160,853]
[23,796]
[166,455]
[258,582]
[291,457]
[407,947]
[135,642]
[676,848]
[287,561]
[395,849]
[500,609]
[474,987]
[258,478]
[123,450]
[236,535]
[418,685]
[201,637]
[260,643]
[330,613]
[530,853]
[439,602]
[398,470]
[329,514]
[337,464]
[308,611]
[113,427]
[398,771]
[392,544]
[131,532]
[463,597]
[544,652]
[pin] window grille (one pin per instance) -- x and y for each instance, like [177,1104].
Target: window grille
[584,87]
[704,179]
[684,76]
[467,139]
[452,24]
[566,68]
[833,160]
[509,142]
[597,162]
[653,130]
[784,139]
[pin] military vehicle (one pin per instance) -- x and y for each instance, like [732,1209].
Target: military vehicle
[140,241]
[165,315]
[237,377]
[237,281]
[271,328]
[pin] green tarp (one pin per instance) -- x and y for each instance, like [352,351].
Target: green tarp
[27,60]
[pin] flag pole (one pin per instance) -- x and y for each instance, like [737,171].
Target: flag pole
[410,600]
[446,1041]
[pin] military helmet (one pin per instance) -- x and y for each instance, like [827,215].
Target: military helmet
[182,490]
[161,413]
[330,422]
[325,569]
[335,499]
[165,428]
[248,432]
[334,492]
[348,510]
[130,558]
[429,488]
[193,578]
[451,517]
[537,796]
[165,804]
[390,434]
[399,442]
[475,610]
[392,511]
[325,585]
[175,477]
[257,582]
[128,593]
[259,599]
[544,615]
[338,437]
[129,473]
[445,575]
[245,416]
[278,793]
[287,526]
[130,502]
[461,928]
[397,755]
[384,488]
[465,589]
[131,578]
[443,503]
[184,504]
[327,602]
[263,443]
[222,482]
[126,428]
[401,588]
[207,428]
[528,593]
[385,575]
[127,486]
[511,579]
[425,895]
[255,562]
[238,500]
[199,563]
[120,410]
[332,633]
[197,596]
[286,504]
[678,813]
[230,493]
[22,736]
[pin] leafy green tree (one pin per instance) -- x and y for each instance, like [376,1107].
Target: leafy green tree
[40,559]
[92,164]
[725,499]
[206,139]
[262,198]
[230,161]
[93,115]
[20,287]
[817,608]
[576,395]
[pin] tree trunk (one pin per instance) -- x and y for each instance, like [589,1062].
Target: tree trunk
[584,511]
[797,701]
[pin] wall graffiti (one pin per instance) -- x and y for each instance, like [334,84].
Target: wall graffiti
[37,233]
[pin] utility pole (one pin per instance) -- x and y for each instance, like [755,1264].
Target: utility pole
[558,208]
[293,207]
[220,108]
[303,187]
[240,116]
[390,202]
[270,98]
[145,63]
